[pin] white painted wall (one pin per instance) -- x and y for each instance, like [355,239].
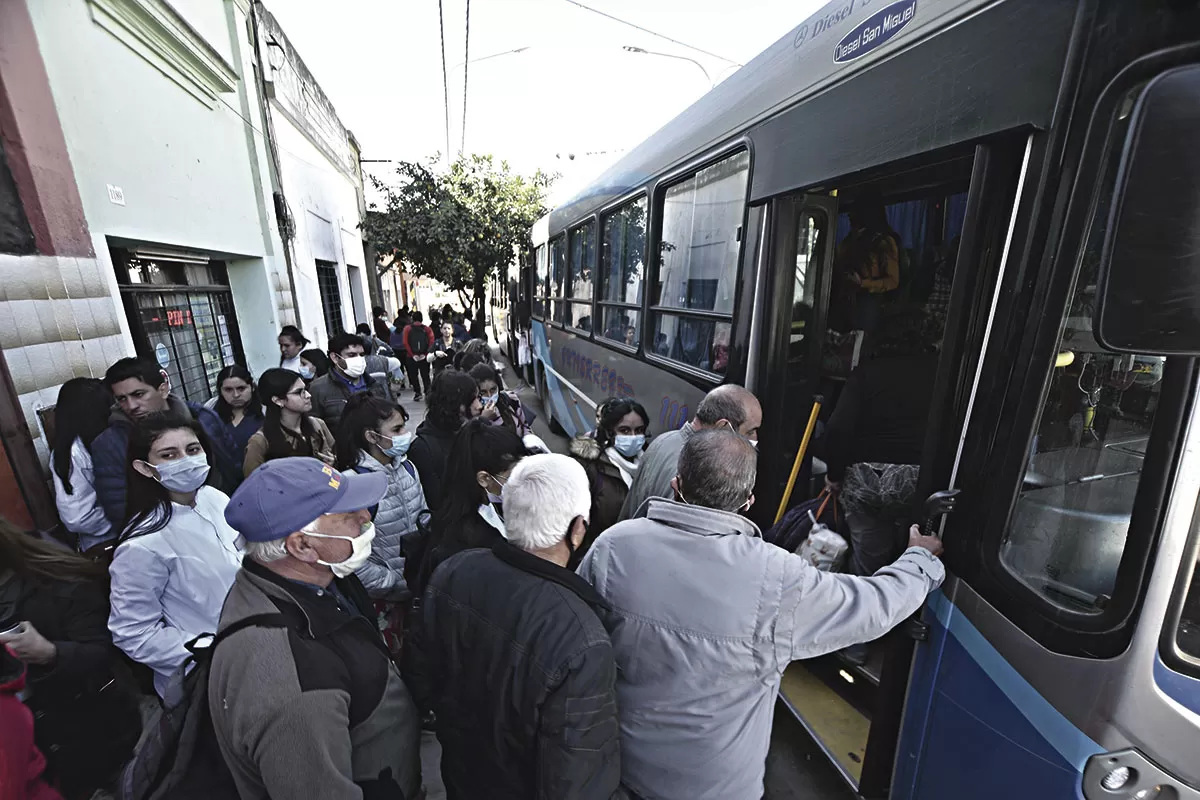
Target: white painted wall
[324,204]
[194,174]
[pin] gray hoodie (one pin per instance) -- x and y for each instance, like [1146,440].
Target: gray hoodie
[705,618]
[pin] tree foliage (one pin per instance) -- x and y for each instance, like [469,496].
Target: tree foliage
[458,226]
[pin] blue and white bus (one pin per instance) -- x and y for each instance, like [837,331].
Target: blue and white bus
[1037,160]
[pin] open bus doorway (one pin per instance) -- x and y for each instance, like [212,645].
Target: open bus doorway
[863,275]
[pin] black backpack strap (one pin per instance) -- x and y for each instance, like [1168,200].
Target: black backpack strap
[253,621]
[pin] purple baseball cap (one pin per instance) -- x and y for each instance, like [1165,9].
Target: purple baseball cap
[285,494]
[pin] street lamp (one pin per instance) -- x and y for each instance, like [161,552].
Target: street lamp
[632,49]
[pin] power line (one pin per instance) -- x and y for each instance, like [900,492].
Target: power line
[466,68]
[652,33]
[445,80]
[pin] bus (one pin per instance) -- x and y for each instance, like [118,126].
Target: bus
[1036,161]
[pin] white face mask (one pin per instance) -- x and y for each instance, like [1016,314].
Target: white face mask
[360,552]
[355,366]
[185,474]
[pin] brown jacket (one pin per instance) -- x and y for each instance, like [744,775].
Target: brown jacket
[258,450]
[608,488]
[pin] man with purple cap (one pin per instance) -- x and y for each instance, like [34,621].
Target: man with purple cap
[314,707]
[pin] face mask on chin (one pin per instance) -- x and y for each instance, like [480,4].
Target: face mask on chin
[359,554]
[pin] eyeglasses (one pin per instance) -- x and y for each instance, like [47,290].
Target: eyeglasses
[298,393]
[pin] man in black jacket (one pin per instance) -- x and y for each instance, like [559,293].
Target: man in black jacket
[513,659]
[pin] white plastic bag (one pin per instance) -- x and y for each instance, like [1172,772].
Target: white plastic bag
[524,357]
[824,549]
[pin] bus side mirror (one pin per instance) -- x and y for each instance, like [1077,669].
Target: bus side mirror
[1148,296]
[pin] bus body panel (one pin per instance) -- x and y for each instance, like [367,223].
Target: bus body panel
[990,712]
[799,65]
[580,374]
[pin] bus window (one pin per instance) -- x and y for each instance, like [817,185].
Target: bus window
[558,270]
[697,265]
[541,290]
[622,256]
[579,280]
[1068,531]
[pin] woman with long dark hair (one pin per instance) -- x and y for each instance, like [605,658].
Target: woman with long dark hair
[80,415]
[499,407]
[177,556]
[453,399]
[471,513]
[610,456]
[287,428]
[86,715]
[238,406]
[291,342]
[313,364]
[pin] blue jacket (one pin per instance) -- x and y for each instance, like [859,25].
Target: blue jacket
[110,451]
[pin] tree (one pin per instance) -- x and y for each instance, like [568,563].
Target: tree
[458,227]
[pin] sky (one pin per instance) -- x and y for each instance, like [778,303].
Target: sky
[572,88]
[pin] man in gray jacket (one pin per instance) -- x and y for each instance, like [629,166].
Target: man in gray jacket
[727,406]
[311,705]
[705,616]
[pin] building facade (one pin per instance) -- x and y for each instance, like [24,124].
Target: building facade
[167,191]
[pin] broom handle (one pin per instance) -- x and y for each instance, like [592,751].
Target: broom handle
[808,432]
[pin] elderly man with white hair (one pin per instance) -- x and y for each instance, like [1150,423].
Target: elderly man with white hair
[304,698]
[514,660]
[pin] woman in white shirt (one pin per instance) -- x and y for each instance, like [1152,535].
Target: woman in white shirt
[177,556]
[291,343]
[80,415]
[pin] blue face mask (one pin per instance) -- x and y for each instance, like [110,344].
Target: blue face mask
[308,373]
[400,444]
[630,445]
[490,399]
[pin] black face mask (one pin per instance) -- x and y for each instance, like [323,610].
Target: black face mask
[574,554]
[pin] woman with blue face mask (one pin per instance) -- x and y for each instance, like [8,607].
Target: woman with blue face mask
[373,437]
[176,557]
[610,455]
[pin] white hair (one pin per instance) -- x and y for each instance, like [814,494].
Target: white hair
[541,497]
[264,552]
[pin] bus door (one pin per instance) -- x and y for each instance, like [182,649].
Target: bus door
[851,702]
[793,303]
[1061,659]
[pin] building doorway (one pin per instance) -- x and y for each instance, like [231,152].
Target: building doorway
[180,311]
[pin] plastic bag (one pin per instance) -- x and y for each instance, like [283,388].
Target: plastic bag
[824,549]
[524,356]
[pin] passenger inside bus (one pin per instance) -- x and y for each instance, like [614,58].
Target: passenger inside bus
[872,443]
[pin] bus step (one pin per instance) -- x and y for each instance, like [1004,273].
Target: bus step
[838,727]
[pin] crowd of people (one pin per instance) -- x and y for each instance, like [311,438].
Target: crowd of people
[366,579]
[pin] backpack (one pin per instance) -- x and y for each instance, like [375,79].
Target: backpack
[418,339]
[178,756]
